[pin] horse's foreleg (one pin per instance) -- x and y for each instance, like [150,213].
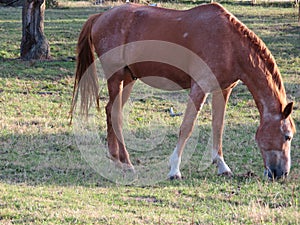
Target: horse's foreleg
[196,100]
[219,101]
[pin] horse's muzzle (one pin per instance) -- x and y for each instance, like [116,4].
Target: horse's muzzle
[277,164]
[275,174]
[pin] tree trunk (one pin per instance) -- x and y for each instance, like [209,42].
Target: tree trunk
[34,45]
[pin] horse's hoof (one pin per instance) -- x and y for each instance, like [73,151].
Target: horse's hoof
[127,167]
[176,177]
[226,174]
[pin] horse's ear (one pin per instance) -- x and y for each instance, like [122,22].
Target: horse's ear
[288,110]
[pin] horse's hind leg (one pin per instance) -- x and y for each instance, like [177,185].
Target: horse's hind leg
[114,88]
[196,100]
[115,139]
[219,101]
[128,84]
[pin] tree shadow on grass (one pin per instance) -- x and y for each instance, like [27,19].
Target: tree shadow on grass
[45,160]
[37,70]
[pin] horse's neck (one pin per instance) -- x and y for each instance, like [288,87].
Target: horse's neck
[261,74]
[268,98]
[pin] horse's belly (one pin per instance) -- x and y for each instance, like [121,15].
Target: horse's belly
[160,75]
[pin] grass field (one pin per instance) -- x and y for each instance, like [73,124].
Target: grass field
[45,179]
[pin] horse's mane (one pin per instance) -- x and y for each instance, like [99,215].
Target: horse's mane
[261,51]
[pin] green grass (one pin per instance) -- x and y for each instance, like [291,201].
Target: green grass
[44,178]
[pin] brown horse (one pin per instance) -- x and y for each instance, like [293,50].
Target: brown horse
[205,49]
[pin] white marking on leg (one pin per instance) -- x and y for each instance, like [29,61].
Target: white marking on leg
[223,168]
[175,161]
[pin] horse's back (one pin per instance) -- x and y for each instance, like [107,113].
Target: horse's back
[132,22]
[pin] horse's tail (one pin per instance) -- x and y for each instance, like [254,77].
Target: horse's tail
[86,80]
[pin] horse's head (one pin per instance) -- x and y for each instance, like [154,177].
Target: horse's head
[274,138]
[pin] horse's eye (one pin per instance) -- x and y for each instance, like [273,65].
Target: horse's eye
[288,137]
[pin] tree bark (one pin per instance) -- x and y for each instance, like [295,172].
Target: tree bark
[34,45]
